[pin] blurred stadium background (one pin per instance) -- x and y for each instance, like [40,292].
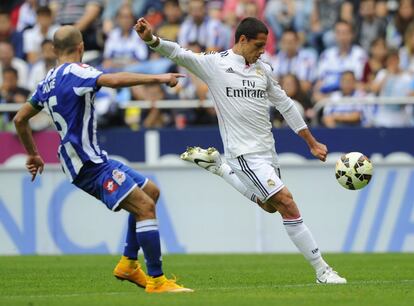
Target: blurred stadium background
[348,64]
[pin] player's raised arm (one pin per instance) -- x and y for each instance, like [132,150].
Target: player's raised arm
[126,79]
[34,162]
[199,64]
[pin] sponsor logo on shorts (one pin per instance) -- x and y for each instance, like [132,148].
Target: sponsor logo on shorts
[118,176]
[271,183]
[110,186]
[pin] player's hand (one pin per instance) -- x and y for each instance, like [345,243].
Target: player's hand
[34,164]
[144,29]
[171,79]
[319,150]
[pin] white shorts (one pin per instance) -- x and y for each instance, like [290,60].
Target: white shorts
[259,172]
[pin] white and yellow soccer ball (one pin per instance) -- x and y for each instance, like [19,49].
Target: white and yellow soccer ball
[353,170]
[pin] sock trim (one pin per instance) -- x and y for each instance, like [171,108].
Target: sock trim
[292,221]
[147,225]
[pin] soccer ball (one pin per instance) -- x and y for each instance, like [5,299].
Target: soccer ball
[353,170]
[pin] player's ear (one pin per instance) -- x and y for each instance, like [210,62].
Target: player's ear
[243,39]
[81,47]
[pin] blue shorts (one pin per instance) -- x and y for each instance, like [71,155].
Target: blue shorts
[110,181]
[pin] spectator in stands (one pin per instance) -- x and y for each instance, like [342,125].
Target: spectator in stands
[173,16]
[46,62]
[139,8]
[336,60]
[215,12]
[287,14]
[150,118]
[322,22]
[407,50]
[8,34]
[291,85]
[27,15]
[375,62]
[123,47]
[85,16]
[33,38]
[10,92]
[253,10]
[292,59]
[368,25]
[397,26]
[392,82]
[335,115]
[238,8]
[381,9]
[199,27]
[7,59]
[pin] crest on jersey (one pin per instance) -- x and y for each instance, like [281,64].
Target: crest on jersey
[259,72]
[271,183]
[118,176]
[110,186]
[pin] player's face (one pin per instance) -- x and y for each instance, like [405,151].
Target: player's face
[254,48]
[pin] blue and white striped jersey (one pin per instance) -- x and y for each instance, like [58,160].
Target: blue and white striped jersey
[68,94]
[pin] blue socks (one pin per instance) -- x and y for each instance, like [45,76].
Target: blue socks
[149,239]
[131,243]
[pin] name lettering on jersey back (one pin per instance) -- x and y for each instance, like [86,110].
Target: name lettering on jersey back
[49,85]
[248,91]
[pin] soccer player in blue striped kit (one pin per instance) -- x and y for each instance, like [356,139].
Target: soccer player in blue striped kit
[68,93]
[242,89]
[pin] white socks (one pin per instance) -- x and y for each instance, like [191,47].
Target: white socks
[303,239]
[230,177]
[296,229]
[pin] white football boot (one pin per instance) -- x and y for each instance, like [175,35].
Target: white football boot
[329,276]
[207,159]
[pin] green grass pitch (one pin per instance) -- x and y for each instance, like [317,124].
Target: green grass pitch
[373,279]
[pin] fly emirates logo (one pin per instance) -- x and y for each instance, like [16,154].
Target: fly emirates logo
[247,91]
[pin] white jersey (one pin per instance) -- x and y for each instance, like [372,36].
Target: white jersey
[242,95]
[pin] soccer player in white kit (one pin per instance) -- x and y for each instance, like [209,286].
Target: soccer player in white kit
[243,89]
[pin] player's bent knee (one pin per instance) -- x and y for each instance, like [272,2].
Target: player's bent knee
[152,191]
[284,203]
[267,207]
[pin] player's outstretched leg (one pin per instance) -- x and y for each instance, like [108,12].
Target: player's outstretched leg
[301,236]
[148,237]
[211,161]
[128,268]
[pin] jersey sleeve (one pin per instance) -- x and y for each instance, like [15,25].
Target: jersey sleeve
[284,104]
[83,77]
[35,99]
[201,64]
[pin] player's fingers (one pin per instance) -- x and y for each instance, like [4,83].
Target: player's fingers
[41,169]
[144,21]
[33,175]
[179,75]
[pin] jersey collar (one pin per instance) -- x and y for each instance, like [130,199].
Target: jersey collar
[237,58]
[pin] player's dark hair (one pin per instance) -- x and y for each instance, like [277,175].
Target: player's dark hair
[250,27]
[66,42]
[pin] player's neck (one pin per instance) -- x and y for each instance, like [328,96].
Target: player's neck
[72,58]
[237,50]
